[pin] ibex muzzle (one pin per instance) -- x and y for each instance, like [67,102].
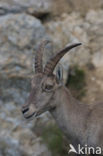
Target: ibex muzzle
[44,84]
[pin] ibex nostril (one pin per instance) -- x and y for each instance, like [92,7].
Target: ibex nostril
[25,110]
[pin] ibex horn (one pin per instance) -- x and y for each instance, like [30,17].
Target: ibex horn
[38,57]
[51,64]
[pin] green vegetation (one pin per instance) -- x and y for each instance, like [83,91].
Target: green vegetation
[76,82]
[53,137]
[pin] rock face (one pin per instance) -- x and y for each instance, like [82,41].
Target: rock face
[74,28]
[9,143]
[36,7]
[20,35]
[82,6]
[40,8]
[71,29]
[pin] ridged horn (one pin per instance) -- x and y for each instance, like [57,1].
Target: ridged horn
[38,57]
[51,64]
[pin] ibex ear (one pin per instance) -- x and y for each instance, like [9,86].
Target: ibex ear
[59,72]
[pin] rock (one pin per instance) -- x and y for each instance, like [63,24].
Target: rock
[63,33]
[9,146]
[75,28]
[16,136]
[35,7]
[21,143]
[93,17]
[82,6]
[97,59]
[20,34]
[40,8]
[95,32]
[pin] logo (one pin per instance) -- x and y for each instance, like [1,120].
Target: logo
[85,150]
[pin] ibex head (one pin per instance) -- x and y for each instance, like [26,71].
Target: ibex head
[44,84]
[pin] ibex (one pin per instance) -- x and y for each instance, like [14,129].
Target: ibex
[80,123]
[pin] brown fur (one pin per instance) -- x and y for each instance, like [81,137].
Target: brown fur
[80,123]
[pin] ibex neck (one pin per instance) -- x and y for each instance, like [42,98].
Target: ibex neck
[70,115]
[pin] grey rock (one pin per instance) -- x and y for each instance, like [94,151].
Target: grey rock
[82,6]
[74,28]
[63,33]
[35,7]
[9,147]
[16,136]
[20,36]
[97,59]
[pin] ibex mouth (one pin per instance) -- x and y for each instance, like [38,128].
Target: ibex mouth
[27,113]
[30,116]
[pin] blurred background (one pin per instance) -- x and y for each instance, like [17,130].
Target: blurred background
[23,24]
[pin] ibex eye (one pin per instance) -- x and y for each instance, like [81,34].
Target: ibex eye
[48,87]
